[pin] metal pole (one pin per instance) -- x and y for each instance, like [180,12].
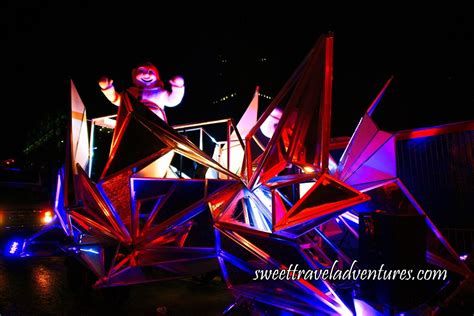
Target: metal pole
[199,124]
[91,147]
[229,126]
[200,139]
[326,106]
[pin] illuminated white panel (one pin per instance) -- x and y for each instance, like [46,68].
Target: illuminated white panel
[79,134]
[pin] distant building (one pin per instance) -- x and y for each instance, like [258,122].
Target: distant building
[234,78]
[44,150]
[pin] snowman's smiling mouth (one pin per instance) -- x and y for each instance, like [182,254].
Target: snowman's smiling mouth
[147,80]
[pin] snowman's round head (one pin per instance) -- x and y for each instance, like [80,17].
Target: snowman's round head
[146,75]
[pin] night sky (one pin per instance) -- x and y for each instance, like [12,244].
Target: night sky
[430,55]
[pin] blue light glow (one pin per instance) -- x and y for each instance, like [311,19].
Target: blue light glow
[14,248]
[90,250]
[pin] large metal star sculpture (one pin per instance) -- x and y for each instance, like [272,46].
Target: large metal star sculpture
[290,205]
[297,207]
[132,228]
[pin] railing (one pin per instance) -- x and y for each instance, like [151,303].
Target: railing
[230,125]
[110,122]
[104,121]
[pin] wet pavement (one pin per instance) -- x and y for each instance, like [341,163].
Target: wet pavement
[39,286]
[43,286]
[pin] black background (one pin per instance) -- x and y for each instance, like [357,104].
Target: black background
[430,55]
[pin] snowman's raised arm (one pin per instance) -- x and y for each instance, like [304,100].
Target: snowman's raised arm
[108,89]
[176,95]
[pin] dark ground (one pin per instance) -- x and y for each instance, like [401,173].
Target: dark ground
[41,286]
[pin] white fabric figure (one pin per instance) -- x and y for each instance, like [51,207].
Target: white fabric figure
[269,126]
[148,89]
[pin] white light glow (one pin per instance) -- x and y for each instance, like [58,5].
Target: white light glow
[14,247]
[47,217]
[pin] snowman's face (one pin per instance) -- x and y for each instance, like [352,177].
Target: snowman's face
[145,76]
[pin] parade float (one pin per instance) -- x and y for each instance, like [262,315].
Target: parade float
[270,195]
